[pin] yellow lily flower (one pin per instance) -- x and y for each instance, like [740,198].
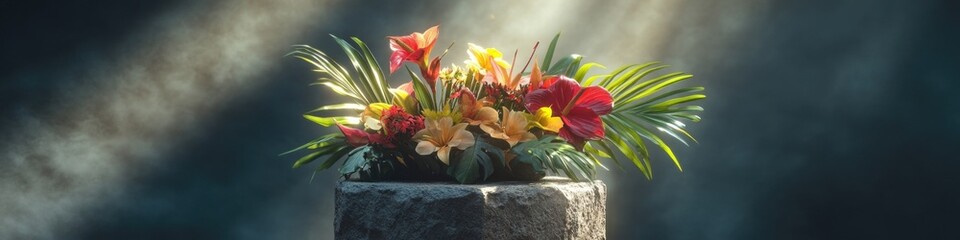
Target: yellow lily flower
[440,136]
[545,120]
[483,59]
[489,62]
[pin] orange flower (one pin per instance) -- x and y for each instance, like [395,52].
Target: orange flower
[514,127]
[440,136]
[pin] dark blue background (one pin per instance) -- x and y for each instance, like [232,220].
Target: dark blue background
[818,126]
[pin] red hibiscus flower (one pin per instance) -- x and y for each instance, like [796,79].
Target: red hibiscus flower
[416,48]
[579,108]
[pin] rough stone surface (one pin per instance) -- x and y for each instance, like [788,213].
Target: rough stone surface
[552,208]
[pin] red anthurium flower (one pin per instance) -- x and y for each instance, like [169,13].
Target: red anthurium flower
[356,137]
[579,108]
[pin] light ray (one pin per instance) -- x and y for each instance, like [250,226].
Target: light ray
[133,106]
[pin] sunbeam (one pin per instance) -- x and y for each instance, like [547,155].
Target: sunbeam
[167,78]
[163,120]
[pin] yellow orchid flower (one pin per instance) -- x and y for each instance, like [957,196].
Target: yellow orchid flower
[514,127]
[545,120]
[440,136]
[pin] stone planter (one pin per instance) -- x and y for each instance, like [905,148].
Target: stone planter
[553,208]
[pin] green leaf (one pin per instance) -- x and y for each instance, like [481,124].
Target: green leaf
[564,66]
[330,121]
[584,69]
[630,79]
[336,156]
[547,59]
[313,142]
[574,65]
[557,155]
[342,82]
[324,145]
[339,90]
[481,154]
[376,74]
[467,170]
[356,160]
[644,112]
[423,93]
[342,106]
[364,73]
[657,87]
[614,133]
[307,159]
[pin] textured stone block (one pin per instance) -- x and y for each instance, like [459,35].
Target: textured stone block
[553,208]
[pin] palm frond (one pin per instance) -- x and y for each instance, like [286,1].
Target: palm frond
[555,154]
[366,84]
[646,109]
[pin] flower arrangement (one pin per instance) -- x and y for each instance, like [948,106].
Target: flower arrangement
[490,119]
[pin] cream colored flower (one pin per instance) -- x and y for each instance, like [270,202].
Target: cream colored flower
[514,127]
[372,123]
[440,136]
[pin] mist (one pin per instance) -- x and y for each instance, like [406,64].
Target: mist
[164,120]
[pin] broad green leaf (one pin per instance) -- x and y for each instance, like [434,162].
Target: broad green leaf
[356,160]
[562,65]
[421,91]
[467,170]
